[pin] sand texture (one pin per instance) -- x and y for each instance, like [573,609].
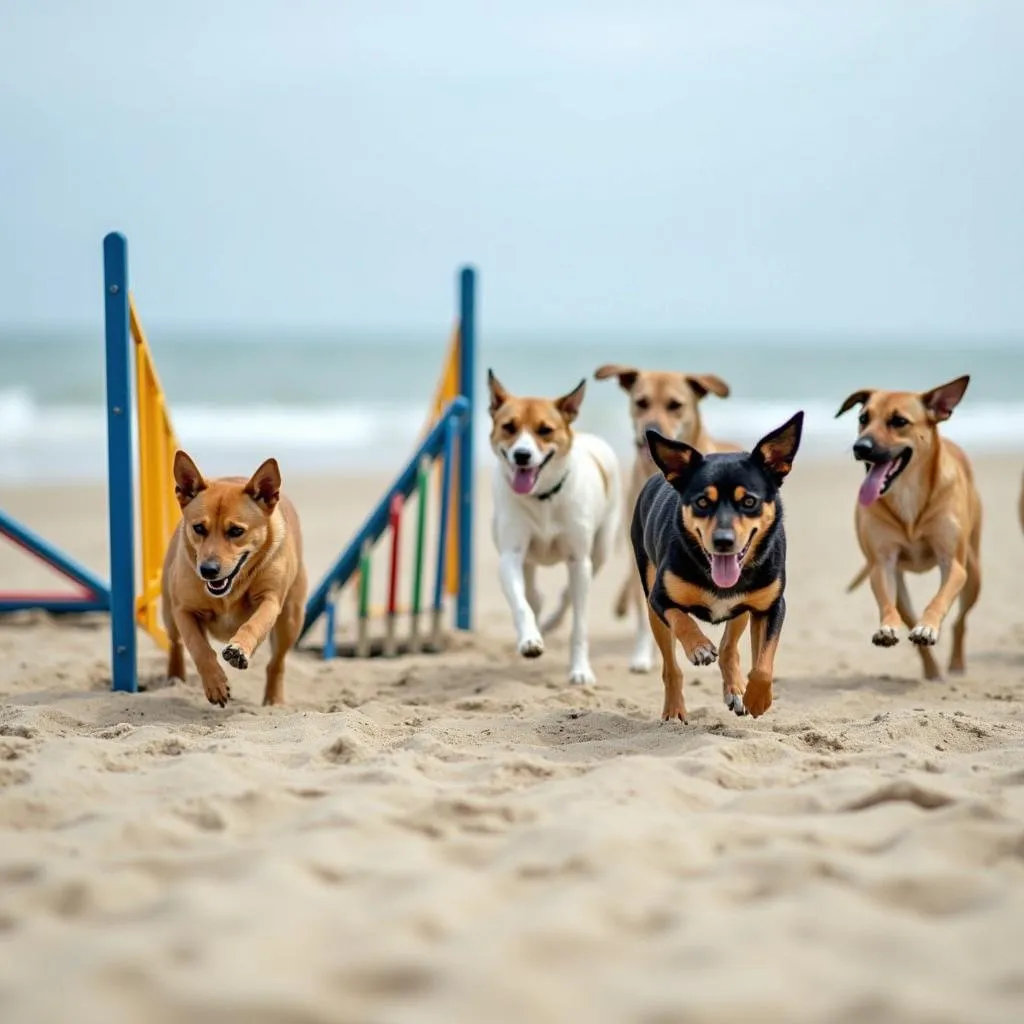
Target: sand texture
[464,837]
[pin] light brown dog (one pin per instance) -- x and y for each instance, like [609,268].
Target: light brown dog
[233,571]
[918,508]
[670,402]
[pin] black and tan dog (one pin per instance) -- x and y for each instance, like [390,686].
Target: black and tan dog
[709,543]
[918,508]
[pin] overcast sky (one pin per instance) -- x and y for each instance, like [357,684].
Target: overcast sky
[832,165]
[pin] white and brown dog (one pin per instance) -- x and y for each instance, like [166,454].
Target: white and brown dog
[556,499]
[670,402]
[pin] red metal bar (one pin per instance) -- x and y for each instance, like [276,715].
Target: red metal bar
[395,521]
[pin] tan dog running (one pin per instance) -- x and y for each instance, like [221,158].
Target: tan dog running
[670,402]
[233,571]
[918,508]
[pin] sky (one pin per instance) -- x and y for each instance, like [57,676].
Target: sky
[832,166]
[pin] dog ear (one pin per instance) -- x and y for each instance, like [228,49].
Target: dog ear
[569,405]
[677,460]
[941,401]
[857,398]
[707,383]
[627,374]
[775,451]
[264,486]
[188,481]
[499,395]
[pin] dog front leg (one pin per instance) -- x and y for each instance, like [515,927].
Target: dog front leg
[766,630]
[253,631]
[883,586]
[581,571]
[513,585]
[953,578]
[193,635]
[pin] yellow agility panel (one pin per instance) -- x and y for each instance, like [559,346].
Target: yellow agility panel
[448,389]
[158,510]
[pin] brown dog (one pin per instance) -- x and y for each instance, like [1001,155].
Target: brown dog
[669,402]
[918,508]
[233,570]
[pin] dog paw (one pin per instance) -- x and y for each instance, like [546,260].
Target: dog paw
[531,647]
[175,681]
[924,636]
[758,697]
[734,702]
[217,690]
[885,636]
[641,663]
[704,653]
[674,713]
[582,675]
[235,656]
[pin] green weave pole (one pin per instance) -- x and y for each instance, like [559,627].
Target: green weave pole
[422,493]
[363,640]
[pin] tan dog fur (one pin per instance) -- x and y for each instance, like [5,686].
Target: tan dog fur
[669,401]
[930,516]
[224,521]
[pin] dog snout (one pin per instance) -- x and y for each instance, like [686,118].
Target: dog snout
[723,540]
[864,447]
[521,457]
[210,569]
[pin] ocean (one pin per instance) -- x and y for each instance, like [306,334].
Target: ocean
[351,401]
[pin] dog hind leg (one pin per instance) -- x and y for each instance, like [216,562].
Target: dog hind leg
[906,610]
[968,599]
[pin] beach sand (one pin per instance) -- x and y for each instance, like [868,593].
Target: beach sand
[464,837]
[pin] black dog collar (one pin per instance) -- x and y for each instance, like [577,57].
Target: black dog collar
[554,490]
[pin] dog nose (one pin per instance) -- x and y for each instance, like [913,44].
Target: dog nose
[723,540]
[521,457]
[210,569]
[863,447]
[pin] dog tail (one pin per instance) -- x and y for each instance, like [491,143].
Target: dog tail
[858,579]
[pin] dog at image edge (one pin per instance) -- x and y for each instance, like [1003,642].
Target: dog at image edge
[917,508]
[709,543]
[556,500]
[233,571]
[669,401]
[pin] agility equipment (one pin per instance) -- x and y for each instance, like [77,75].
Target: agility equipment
[447,444]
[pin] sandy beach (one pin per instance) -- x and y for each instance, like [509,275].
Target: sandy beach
[464,837]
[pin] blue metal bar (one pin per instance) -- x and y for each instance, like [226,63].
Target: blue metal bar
[377,521]
[44,550]
[330,619]
[467,389]
[55,605]
[443,517]
[119,462]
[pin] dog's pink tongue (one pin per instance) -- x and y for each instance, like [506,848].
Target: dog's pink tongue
[523,481]
[725,570]
[871,489]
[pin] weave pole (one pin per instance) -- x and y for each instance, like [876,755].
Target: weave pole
[422,492]
[451,434]
[395,518]
[363,638]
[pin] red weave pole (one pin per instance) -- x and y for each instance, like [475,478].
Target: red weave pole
[395,521]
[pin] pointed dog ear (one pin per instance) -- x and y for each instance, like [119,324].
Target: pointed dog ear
[857,398]
[941,401]
[264,486]
[775,451]
[569,405]
[188,481]
[677,460]
[707,384]
[499,394]
[627,374]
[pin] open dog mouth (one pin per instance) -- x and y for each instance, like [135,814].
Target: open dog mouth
[880,476]
[524,478]
[218,588]
[726,569]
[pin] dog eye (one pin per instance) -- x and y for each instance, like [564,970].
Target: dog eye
[509,428]
[898,421]
[235,532]
[673,405]
[199,529]
[544,430]
[643,403]
[702,503]
[863,419]
[749,502]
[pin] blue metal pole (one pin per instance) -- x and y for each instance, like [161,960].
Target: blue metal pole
[330,612]
[467,388]
[450,434]
[119,463]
